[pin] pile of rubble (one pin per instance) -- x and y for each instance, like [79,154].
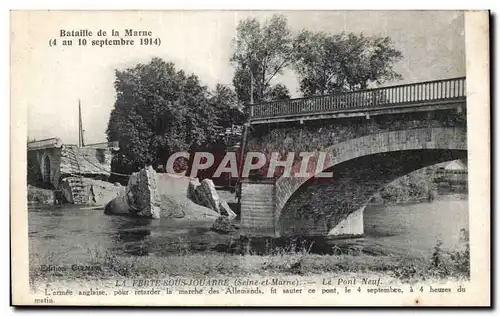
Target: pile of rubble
[80,190]
[153,195]
[204,194]
[142,193]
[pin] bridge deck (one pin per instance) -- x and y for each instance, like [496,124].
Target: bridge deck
[408,97]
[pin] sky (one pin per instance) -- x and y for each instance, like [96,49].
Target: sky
[52,80]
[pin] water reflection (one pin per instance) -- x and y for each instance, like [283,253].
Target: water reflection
[130,235]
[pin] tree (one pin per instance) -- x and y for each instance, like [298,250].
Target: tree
[226,105]
[158,111]
[278,92]
[261,50]
[327,63]
[316,61]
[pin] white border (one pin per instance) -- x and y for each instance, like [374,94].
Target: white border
[146,4]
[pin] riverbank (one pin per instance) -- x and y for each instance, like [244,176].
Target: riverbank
[417,186]
[101,265]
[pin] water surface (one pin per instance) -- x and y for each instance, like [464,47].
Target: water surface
[75,232]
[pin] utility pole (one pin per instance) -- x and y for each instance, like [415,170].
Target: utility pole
[80,125]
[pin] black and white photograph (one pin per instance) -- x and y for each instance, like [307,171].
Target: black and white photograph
[242,158]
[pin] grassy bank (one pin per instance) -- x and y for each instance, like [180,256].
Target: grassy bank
[440,265]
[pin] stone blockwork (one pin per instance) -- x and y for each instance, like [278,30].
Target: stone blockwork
[79,190]
[258,203]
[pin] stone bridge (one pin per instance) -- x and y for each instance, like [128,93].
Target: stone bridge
[49,160]
[67,167]
[369,138]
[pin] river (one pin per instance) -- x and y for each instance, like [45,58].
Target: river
[407,230]
[414,229]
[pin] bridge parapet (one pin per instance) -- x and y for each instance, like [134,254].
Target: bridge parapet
[421,93]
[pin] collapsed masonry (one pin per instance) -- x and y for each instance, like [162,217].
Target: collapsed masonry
[80,190]
[204,194]
[77,174]
[147,191]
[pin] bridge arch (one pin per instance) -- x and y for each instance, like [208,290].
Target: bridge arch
[362,166]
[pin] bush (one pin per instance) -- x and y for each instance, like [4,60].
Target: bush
[40,196]
[416,186]
[222,225]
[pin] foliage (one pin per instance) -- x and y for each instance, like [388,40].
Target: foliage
[437,261]
[158,110]
[415,186]
[226,106]
[326,63]
[441,265]
[263,51]
[278,92]
[461,261]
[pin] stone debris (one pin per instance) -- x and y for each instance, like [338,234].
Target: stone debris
[155,195]
[192,186]
[206,195]
[142,191]
[118,205]
[85,161]
[226,210]
[222,225]
[79,190]
[102,192]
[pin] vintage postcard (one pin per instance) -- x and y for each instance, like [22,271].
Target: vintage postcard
[250,158]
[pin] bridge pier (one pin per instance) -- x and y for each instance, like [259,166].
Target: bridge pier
[258,208]
[350,227]
[258,214]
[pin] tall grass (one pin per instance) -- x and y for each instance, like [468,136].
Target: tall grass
[442,264]
[293,259]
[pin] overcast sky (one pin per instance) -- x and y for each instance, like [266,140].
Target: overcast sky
[54,78]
